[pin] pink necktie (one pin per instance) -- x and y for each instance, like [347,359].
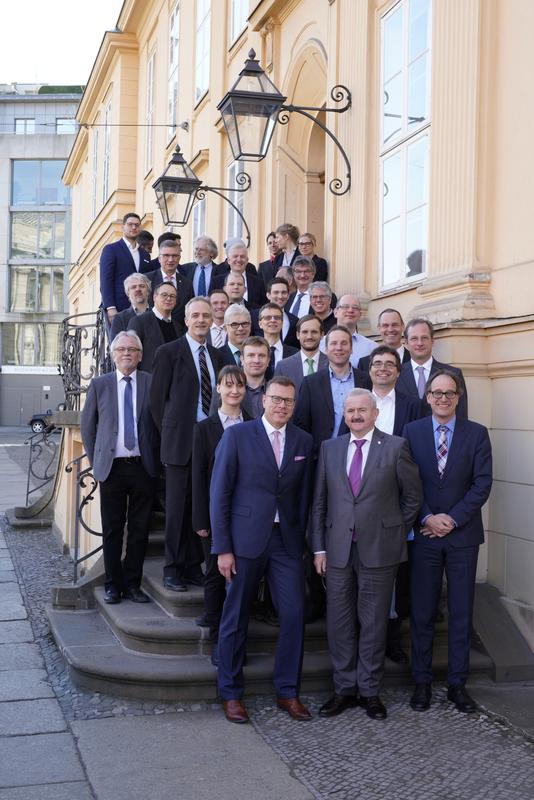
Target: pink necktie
[276,446]
[355,471]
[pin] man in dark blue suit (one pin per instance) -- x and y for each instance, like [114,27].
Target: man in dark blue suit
[117,261]
[260,494]
[454,460]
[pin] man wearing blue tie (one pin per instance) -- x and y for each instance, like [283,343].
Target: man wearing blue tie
[454,460]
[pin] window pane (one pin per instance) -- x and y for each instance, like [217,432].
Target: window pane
[45,278]
[65,126]
[53,192]
[59,236]
[26,336]
[57,297]
[24,230]
[9,350]
[417,105]
[392,121]
[417,177]
[392,187]
[392,45]
[418,28]
[391,249]
[25,182]
[45,235]
[23,289]
[49,339]
[415,242]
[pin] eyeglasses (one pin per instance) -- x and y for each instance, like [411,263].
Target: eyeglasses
[127,350]
[278,401]
[320,297]
[272,317]
[235,325]
[166,295]
[350,308]
[438,394]
[384,364]
[305,244]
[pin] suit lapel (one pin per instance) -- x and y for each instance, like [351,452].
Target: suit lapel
[114,399]
[456,448]
[129,252]
[372,458]
[340,460]
[141,391]
[265,443]
[324,381]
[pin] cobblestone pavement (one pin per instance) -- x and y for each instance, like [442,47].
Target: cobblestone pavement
[432,756]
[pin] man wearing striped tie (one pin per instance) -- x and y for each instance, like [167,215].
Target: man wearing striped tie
[183,380]
[454,459]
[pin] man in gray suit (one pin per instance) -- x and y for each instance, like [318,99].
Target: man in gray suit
[367,496]
[121,442]
[309,359]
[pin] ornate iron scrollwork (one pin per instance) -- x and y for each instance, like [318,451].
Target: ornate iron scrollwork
[83,356]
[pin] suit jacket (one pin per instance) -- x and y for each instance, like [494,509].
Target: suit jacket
[226,356]
[184,293]
[267,271]
[291,335]
[174,398]
[148,329]
[381,514]
[255,288]
[121,322]
[407,385]
[99,425]
[188,271]
[247,487]
[314,411]
[206,437]
[364,362]
[466,482]
[291,367]
[116,263]
[407,409]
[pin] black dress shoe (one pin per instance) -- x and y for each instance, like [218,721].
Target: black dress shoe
[193,576]
[337,704]
[112,596]
[174,584]
[396,654]
[374,707]
[461,699]
[420,699]
[136,595]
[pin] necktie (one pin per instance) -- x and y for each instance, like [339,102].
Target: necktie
[129,425]
[217,336]
[311,366]
[443,450]
[296,307]
[355,473]
[202,282]
[421,382]
[237,357]
[276,446]
[205,380]
[270,369]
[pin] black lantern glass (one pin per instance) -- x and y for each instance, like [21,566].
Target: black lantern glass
[249,111]
[176,190]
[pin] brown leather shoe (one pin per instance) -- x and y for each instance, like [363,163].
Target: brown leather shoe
[235,711]
[294,708]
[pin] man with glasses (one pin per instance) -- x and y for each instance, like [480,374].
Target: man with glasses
[278,292]
[348,312]
[321,304]
[298,303]
[167,272]
[415,374]
[454,459]
[156,326]
[259,499]
[270,322]
[306,245]
[237,326]
[309,359]
[121,442]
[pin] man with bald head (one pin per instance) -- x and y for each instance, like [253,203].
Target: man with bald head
[237,262]
[347,312]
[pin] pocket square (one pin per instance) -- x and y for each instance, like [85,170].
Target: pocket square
[300,458]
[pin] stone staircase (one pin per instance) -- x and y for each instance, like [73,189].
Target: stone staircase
[156,651]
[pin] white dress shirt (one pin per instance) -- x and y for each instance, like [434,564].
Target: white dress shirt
[278,351]
[134,252]
[288,257]
[282,439]
[365,449]
[168,278]
[386,411]
[426,366]
[218,332]
[160,316]
[120,450]
[401,350]
[227,421]
[304,356]
[304,303]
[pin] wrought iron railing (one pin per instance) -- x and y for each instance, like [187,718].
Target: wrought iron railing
[84,480]
[84,354]
[42,461]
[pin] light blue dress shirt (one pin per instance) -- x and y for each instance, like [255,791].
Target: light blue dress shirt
[340,387]
[196,277]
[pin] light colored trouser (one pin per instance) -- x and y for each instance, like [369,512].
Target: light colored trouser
[358,594]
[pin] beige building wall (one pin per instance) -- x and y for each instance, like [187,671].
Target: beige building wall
[478,285]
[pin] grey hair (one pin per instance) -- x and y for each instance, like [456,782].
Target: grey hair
[210,244]
[130,335]
[360,393]
[236,244]
[229,243]
[199,299]
[134,277]
[321,285]
[236,274]
[234,310]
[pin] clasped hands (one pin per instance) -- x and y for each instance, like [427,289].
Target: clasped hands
[438,525]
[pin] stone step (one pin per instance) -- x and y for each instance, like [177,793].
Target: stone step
[179,604]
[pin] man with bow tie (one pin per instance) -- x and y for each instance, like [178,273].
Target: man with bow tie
[367,495]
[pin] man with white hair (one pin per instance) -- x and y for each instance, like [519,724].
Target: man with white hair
[237,262]
[367,496]
[137,287]
[203,269]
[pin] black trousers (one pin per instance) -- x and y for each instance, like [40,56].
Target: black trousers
[126,497]
[183,548]
[214,590]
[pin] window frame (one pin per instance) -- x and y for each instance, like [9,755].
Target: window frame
[107,153]
[25,120]
[205,56]
[239,13]
[56,215]
[173,71]
[234,224]
[71,120]
[149,109]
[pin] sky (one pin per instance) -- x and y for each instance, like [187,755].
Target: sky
[53,42]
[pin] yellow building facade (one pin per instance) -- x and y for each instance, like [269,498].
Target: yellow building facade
[438,220]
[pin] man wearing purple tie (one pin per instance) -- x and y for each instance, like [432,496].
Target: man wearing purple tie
[367,496]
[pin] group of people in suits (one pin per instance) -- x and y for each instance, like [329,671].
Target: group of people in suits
[362,453]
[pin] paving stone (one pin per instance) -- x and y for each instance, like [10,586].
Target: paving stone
[12,609]
[24,684]
[6,563]
[20,656]
[31,716]
[16,631]
[46,758]
[7,575]
[53,791]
